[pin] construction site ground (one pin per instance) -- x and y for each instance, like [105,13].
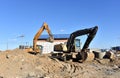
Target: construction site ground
[19,64]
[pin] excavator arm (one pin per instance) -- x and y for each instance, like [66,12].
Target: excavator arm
[44,27]
[91,32]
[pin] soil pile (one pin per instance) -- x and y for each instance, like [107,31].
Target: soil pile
[19,64]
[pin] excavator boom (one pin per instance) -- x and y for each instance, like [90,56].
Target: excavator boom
[91,32]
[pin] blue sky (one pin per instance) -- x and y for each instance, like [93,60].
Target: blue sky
[25,17]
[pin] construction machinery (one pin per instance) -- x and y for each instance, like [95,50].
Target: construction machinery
[72,48]
[37,48]
[50,39]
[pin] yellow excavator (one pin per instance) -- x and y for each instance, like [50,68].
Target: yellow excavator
[51,38]
[36,49]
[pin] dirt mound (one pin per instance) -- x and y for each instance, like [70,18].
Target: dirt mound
[19,64]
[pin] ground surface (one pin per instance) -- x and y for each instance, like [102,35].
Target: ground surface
[19,64]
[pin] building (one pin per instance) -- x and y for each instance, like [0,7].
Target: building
[48,47]
[117,48]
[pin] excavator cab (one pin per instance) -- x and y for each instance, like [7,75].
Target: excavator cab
[63,47]
[39,48]
[76,46]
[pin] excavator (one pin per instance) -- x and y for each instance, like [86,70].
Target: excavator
[36,48]
[70,46]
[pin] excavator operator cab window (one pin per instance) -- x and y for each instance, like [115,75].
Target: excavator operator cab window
[40,48]
[77,42]
[77,45]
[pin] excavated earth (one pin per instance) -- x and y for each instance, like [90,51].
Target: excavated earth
[19,64]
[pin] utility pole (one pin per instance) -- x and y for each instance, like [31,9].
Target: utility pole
[22,36]
[21,43]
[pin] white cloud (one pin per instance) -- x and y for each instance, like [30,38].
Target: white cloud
[14,39]
[62,30]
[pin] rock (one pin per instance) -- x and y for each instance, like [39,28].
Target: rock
[8,56]
[46,77]
[115,67]
[1,76]
[23,60]
[31,74]
[108,72]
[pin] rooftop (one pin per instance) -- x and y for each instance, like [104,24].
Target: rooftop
[56,36]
